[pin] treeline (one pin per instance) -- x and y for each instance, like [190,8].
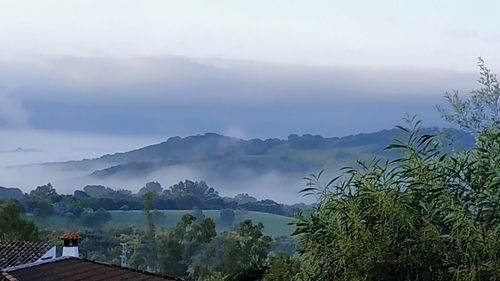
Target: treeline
[193,250]
[93,200]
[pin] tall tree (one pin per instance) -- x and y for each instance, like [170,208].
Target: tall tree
[13,226]
[44,192]
[481,109]
[150,247]
[237,254]
[424,216]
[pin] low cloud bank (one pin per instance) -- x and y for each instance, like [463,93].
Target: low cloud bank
[270,185]
[55,147]
[182,96]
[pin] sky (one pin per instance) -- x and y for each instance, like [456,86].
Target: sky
[82,78]
[446,34]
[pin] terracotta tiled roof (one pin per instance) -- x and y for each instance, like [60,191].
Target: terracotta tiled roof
[14,253]
[72,269]
[70,235]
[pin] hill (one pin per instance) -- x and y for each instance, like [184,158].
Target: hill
[10,193]
[221,154]
[267,168]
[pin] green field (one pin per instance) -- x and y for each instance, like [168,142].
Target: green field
[274,225]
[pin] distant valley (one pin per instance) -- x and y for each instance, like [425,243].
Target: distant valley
[270,168]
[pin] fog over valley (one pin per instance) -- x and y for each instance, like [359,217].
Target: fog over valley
[76,108]
[270,168]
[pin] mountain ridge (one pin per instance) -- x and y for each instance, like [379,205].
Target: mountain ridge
[272,168]
[296,153]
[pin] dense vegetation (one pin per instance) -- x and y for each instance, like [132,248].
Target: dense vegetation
[13,226]
[193,249]
[427,215]
[185,195]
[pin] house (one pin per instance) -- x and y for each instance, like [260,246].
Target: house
[88,210]
[73,268]
[14,253]
[21,260]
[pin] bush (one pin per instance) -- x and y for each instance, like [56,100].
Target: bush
[424,216]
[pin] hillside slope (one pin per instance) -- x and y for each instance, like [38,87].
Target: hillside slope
[221,155]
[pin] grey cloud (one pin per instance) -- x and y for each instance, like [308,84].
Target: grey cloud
[177,78]
[174,95]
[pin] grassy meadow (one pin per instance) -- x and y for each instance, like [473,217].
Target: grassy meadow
[274,225]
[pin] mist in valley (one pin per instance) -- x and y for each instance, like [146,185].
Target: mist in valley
[20,167]
[78,108]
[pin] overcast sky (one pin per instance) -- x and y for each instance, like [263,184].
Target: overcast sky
[148,70]
[446,34]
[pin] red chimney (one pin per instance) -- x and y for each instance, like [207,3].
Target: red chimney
[70,241]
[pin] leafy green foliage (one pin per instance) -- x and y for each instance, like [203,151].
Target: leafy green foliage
[149,244]
[237,255]
[252,272]
[13,226]
[282,268]
[482,109]
[423,216]
[184,195]
[44,192]
[93,219]
[154,187]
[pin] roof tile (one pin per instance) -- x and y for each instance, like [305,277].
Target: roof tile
[72,269]
[14,253]
[70,235]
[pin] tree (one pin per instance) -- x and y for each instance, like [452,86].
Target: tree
[282,268]
[423,216]
[189,188]
[226,217]
[97,191]
[149,242]
[153,186]
[244,198]
[178,246]
[482,109]
[13,226]
[44,192]
[43,208]
[237,254]
[252,272]
[136,260]
[95,219]
[149,199]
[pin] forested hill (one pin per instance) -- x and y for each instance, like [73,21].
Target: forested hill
[218,155]
[10,193]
